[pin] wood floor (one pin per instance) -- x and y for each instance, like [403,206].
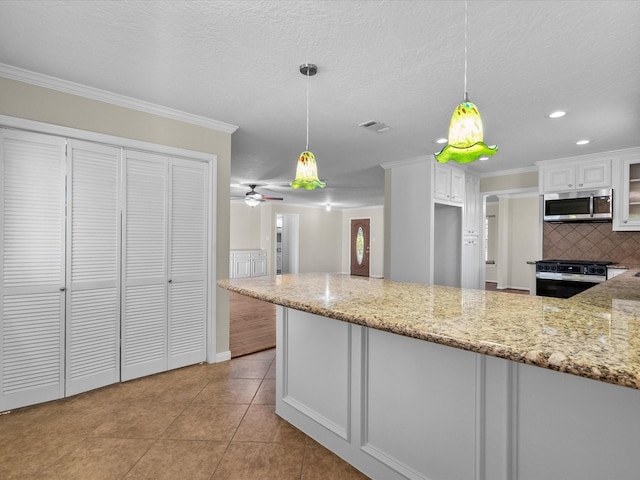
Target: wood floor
[252,323]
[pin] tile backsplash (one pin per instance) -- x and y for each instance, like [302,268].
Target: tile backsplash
[590,241]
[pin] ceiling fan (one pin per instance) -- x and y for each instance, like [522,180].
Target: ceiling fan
[253,198]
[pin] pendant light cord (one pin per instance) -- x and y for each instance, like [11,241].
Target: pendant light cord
[466,97]
[307,109]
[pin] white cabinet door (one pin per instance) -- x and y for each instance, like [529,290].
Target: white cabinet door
[594,174]
[472,210]
[442,182]
[188,262]
[241,265]
[575,176]
[471,263]
[448,184]
[558,178]
[93,267]
[144,263]
[32,263]
[259,264]
[457,185]
[628,202]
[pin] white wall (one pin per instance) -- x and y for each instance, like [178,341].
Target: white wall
[491,274]
[376,232]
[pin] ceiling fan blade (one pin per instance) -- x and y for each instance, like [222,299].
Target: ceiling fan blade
[272,198]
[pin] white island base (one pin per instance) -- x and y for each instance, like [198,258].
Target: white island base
[401,408]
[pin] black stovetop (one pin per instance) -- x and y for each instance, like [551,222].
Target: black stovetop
[576,262]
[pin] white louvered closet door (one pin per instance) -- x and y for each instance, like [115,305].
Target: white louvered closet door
[144,307]
[93,267]
[187,262]
[32,192]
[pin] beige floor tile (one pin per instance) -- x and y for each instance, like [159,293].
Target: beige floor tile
[266,393]
[261,424]
[261,461]
[98,459]
[138,420]
[207,422]
[245,367]
[229,390]
[179,460]
[71,419]
[321,464]
[24,456]
[264,355]
[271,373]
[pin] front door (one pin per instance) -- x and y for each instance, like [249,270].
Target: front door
[360,247]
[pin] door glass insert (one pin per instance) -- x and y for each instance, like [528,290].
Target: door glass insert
[360,246]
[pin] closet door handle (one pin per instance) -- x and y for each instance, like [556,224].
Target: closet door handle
[62,289]
[169,280]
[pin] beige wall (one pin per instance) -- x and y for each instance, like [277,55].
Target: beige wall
[244,226]
[515,182]
[45,105]
[522,241]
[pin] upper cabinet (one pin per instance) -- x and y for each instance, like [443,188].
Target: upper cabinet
[627,202]
[580,175]
[448,184]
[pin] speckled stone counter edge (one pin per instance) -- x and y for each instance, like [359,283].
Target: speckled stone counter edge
[625,287]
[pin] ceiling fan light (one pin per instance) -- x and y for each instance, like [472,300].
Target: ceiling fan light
[252,201]
[307,173]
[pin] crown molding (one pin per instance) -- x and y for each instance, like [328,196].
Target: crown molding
[53,83]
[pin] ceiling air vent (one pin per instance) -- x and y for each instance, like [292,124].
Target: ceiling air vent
[374,126]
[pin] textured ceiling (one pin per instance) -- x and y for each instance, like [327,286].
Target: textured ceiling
[397,62]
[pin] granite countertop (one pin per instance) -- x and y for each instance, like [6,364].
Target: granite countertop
[595,334]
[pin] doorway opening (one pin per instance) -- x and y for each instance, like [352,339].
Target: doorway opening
[287,243]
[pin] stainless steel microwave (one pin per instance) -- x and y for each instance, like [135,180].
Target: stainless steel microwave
[579,206]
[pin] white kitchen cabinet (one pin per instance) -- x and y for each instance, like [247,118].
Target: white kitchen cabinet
[449,183]
[471,262]
[582,175]
[627,202]
[425,233]
[472,212]
[247,263]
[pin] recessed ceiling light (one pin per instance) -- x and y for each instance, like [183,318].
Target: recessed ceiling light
[557,114]
[582,142]
[441,140]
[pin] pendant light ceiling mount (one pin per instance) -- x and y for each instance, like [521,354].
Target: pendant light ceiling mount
[308,69]
[307,169]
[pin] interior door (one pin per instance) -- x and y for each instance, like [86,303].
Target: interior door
[32,264]
[360,244]
[144,264]
[93,267]
[188,262]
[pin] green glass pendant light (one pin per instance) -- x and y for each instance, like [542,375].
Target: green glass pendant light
[465,143]
[307,169]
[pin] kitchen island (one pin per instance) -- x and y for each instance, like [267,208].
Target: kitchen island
[430,382]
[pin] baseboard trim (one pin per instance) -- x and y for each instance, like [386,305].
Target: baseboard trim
[223,356]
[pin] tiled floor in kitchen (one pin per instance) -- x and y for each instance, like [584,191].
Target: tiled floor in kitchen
[210,421]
